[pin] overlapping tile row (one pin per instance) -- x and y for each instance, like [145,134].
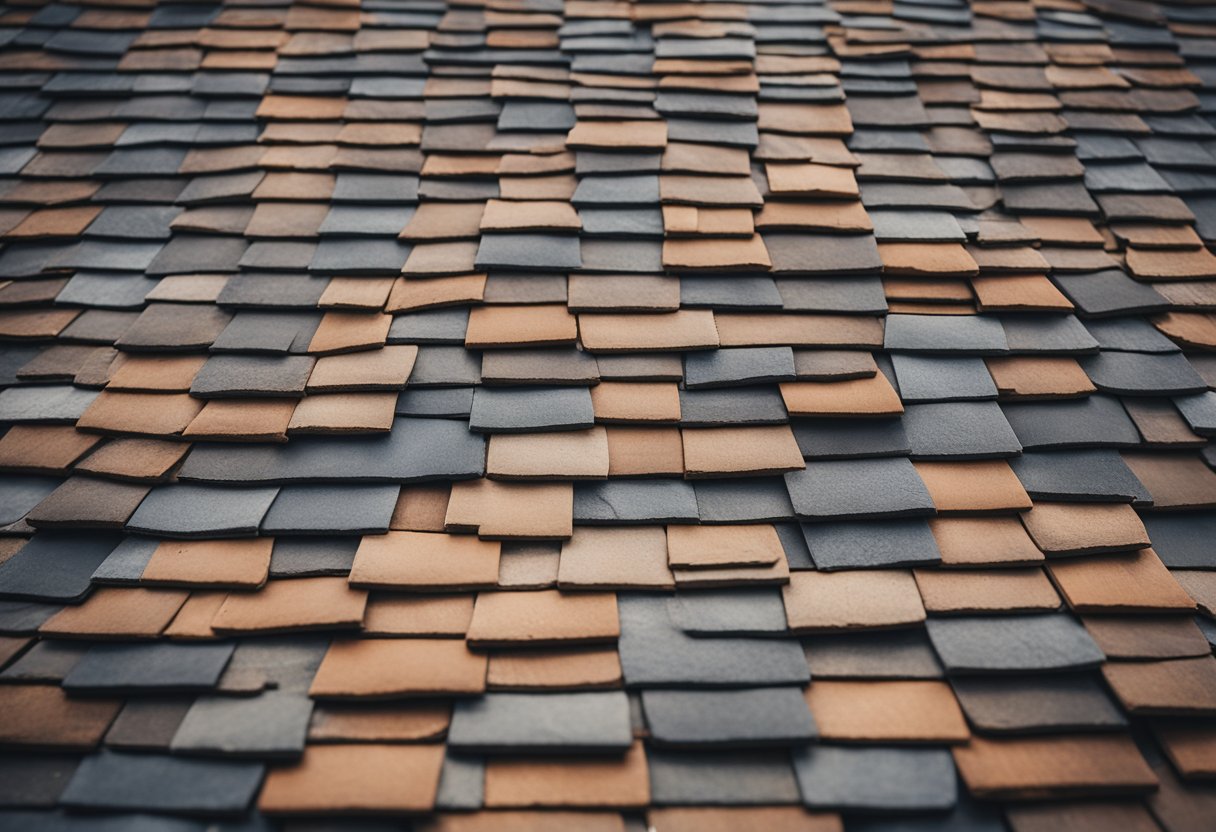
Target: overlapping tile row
[600,415]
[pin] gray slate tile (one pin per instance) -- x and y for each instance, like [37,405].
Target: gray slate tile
[1091,422]
[893,654]
[305,557]
[1032,704]
[112,780]
[734,406]
[54,567]
[740,718]
[1133,373]
[738,367]
[876,779]
[925,378]
[159,667]
[1183,541]
[542,722]
[1047,334]
[322,509]
[959,430]
[631,501]
[189,510]
[743,500]
[1013,643]
[945,334]
[270,725]
[1088,476]
[734,612]
[226,376]
[528,409]
[726,778]
[860,488]
[126,564]
[851,438]
[871,545]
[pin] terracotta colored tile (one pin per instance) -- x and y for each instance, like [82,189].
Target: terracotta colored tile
[49,448]
[153,414]
[862,599]
[743,329]
[644,452]
[445,221]
[1187,329]
[235,564]
[1174,481]
[408,295]
[1053,766]
[563,455]
[349,332]
[811,180]
[193,620]
[729,818]
[872,396]
[1124,582]
[615,558]
[367,294]
[289,605]
[1085,528]
[572,668]
[625,402]
[1048,377]
[1181,686]
[387,368]
[156,373]
[886,712]
[127,613]
[987,590]
[233,420]
[927,259]
[421,721]
[618,135]
[428,562]
[421,508]
[619,782]
[42,716]
[417,615]
[398,668]
[513,326]
[355,778]
[684,330]
[546,617]
[716,546]
[523,821]
[716,254]
[504,510]
[1191,748]
[344,413]
[981,485]
[542,215]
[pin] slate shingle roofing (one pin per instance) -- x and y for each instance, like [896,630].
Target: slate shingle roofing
[526,415]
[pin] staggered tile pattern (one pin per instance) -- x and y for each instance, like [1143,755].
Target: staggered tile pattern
[593,415]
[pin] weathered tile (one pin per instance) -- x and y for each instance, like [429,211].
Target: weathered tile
[1013,643]
[542,722]
[761,716]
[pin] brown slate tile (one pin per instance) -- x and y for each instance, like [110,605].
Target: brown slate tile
[538,215]
[740,451]
[355,778]
[391,614]
[44,448]
[155,373]
[1183,687]
[871,396]
[394,722]
[745,329]
[583,782]
[344,413]
[289,605]
[1124,582]
[615,558]
[87,502]
[421,508]
[929,259]
[1047,377]
[691,221]
[543,618]
[445,221]
[357,294]
[810,179]
[618,135]
[1085,528]
[985,590]
[625,402]
[503,510]
[227,564]
[563,455]
[644,452]
[853,600]
[1174,481]
[1133,636]
[973,486]
[409,295]
[529,565]
[54,222]
[1057,766]
[709,547]
[516,326]
[716,254]
[774,574]
[20,324]
[687,329]
[112,613]
[1018,293]
[886,712]
[150,414]
[243,420]
[42,716]
[524,821]
[569,668]
[728,818]
[834,215]
[623,293]
[1190,747]
[425,562]
[387,368]
[397,669]
[349,332]
[193,620]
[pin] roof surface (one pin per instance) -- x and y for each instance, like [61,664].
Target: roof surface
[538,416]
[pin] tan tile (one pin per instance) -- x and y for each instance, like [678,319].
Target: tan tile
[358,294]
[193,620]
[860,599]
[615,558]
[512,326]
[387,368]
[716,254]
[806,119]
[1174,481]
[504,510]
[537,215]
[623,293]
[722,191]
[1069,765]
[730,818]
[886,712]
[809,179]
[145,460]
[426,562]
[1018,293]
[396,668]
[109,612]
[585,781]
[973,486]
[244,420]
[1124,582]
[421,508]
[1190,747]
[355,778]
[693,221]
[445,221]
[635,402]
[872,396]
[349,332]
[985,590]
[570,668]
[156,373]
[234,564]
[1185,687]
[1201,586]
[740,451]
[394,614]
[644,452]
[411,294]
[1085,528]
[747,329]
[775,574]
[1153,264]
[344,413]
[564,455]
[529,565]
[152,414]
[1049,377]
[421,721]
[290,605]
[441,259]
[927,259]
[545,617]
[49,719]
[826,215]
[683,330]
[55,222]
[39,448]
[301,107]
[618,135]
[703,547]
[686,157]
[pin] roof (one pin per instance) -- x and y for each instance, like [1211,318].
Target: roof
[527,415]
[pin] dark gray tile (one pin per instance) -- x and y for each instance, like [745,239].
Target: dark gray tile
[188,510]
[738,367]
[944,334]
[959,430]
[34,780]
[159,667]
[727,778]
[542,722]
[270,725]
[870,545]
[54,566]
[916,226]
[359,257]
[631,501]
[751,406]
[323,509]
[1129,334]
[733,612]
[272,376]
[267,332]
[1133,373]
[527,409]
[550,252]
[126,564]
[174,326]
[858,294]
[442,366]
[1183,541]
[894,654]
[1047,334]
[46,661]
[1013,643]
[858,488]
[1034,704]
[742,718]
[432,326]
[820,254]
[19,495]
[1088,476]
[112,780]
[851,438]
[875,779]
[306,557]
[1090,422]
[444,403]
[924,378]
[743,500]
[729,292]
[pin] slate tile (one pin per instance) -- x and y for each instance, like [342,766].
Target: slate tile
[875,779]
[933,379]
[935,334]
[523,409]
[851,438]
[552,722]
[867,488]
[1181,540]
[1055,334]
[1009,644]
[111,780]
[1091,476]
[1093,421]
[328,510]
[161,667]
[21,494]
[748,718]
[1026,704]
[54,567]
[701,778]
[1065,764]
[305,558]
[894,654]
[187,510]
[708,408]
[959,430]
[633,501]
[738,367]
[1132,373]
[835,546]
[270,725]
[735,612]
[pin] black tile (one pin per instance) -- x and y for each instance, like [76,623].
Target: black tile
[870,545]
[542,722]
[160,667]
[1013,643]
[742,718]
[112,780]
[875,779]
[858,488]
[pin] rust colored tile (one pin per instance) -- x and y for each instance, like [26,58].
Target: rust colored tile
[357,294]
[228,564]
[127,613]
[1174,481]
[615,558]
[572,668]
[730,818]
[344,413]
[54,222]
[87,502]
[1184,687]
[745,329]
[871,396]
[886,712]
[927,259]
[503,510]
[421,508]
[739,451]
[855,600]
[42,716]
[626,401]
[394,722]
[387,368]
[700,547]
[417,615]
[152,414]
[427,562]
[1190,747]
[687,329]
[987,590]
[290,605]
[618,135]
[644,452]
[1049,377]
[540,215]
[521,821]
[564,455]
[193,620]
[243,420]
[623,293]
[349,332]
[588,781]
[355,778]
[445,221]
[156,373]
[408,295]
[1060,766]
[1124,582]
[809,179]
[545,617]
[515,326]
[398,668]
[1018,293]
[974,486]
[44,448]
[1085,528]
[35,323]
[716,254]
[1147,637]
